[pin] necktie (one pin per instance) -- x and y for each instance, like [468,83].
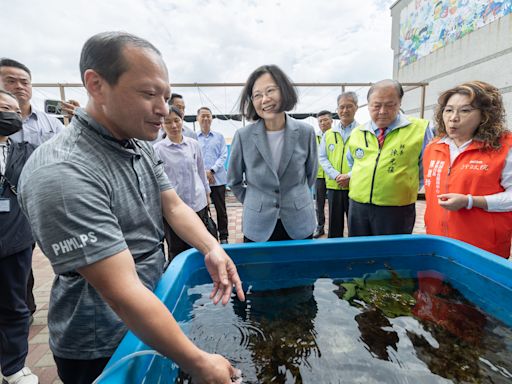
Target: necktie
[381,136]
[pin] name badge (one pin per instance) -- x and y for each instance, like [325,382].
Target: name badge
[5,205]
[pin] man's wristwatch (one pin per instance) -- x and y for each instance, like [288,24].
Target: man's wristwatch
[212,171]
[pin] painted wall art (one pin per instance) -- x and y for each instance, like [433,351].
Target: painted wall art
[427,25]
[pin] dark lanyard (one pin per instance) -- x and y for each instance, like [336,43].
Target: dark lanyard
[4,180]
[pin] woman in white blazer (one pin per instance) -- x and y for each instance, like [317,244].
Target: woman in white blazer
[273,161]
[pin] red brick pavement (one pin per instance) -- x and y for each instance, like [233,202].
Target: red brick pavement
[40,359]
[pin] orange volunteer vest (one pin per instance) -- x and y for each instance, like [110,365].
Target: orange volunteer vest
[476,172]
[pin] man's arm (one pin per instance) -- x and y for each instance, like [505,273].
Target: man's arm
[324,161]
[78,203]
[191,229]
[132,301]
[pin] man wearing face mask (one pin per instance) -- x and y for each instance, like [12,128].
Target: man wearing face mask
[38,126]
[15,249]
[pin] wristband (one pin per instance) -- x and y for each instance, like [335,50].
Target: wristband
[470,202]
[212,171]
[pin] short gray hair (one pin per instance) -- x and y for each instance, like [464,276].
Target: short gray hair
[348,95]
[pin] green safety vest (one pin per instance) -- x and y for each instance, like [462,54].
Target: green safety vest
[336,151]
[320,174]
[387,176]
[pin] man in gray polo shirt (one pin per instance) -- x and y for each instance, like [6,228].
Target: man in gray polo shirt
[95,195]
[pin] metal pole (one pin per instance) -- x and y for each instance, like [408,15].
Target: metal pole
[194,85]
[343,87]
[422,107]
[62,91]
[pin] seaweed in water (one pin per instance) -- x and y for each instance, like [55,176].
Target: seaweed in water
[384,289]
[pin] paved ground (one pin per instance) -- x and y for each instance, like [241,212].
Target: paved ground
[40,359]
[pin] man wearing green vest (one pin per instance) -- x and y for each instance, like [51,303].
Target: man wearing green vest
[332,155]
[385,156]
[324,122]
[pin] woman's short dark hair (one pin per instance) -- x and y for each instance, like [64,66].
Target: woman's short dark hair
[103,53]
[288,92]
[176,111]
[488,100]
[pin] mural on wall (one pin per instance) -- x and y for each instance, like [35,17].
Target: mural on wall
[426,25]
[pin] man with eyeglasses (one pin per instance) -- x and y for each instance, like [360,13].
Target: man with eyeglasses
[385,157]
[332,155]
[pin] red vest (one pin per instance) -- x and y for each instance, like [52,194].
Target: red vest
[476,172]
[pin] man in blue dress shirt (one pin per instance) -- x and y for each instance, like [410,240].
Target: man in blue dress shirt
[215,153]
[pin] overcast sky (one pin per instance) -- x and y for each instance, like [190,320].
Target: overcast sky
[210,41]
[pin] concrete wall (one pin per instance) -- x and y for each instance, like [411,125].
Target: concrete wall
[484,54]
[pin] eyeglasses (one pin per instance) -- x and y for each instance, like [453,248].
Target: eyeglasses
[269,92]
[462,112]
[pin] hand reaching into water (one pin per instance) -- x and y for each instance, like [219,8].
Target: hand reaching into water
[215,369]
[224,275]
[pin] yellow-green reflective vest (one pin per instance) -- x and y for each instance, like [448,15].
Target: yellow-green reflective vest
[320,174]
[336,151]
[388,176]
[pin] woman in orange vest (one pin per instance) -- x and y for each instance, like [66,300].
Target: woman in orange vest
[468,169]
